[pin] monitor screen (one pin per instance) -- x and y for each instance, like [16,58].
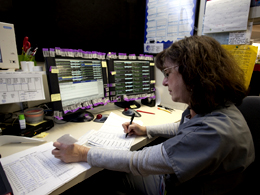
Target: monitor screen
[79,80]
[75,84]
[130,80]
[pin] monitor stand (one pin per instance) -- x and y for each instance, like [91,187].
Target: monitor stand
[79,116]
[128,104]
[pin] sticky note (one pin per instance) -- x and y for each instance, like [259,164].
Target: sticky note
[55,70]
[55,97]
[104,64]
[42,135]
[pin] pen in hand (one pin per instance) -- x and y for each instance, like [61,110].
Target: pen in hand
[132,118]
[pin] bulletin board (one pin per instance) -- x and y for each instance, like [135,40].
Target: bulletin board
[167,21]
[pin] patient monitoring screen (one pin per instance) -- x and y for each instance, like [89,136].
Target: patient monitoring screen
[79,80]
[132,77]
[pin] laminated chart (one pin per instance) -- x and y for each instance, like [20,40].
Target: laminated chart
[20,87]
[169,20]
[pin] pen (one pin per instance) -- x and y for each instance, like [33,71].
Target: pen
[132,118]
[165,110]
[145,112]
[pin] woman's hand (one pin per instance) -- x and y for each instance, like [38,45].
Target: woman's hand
[134,129]
[70,153]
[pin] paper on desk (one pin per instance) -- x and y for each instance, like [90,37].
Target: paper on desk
[111,134]
[37,171]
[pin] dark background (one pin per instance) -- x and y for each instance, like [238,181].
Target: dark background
[91,25]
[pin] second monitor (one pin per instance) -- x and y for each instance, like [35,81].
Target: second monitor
[130,80]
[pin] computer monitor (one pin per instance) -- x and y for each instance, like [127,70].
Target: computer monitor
[76,85]
[131,80]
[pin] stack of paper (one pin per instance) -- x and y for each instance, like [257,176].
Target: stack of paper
[37,171]
[111,135]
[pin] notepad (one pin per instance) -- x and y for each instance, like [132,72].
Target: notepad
[111,135]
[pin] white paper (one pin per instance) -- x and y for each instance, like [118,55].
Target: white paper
[226,15]
[67,139]
[153,47]
[6,139]
[111,135]
[241,37]
[37,171]
[20,87]
[237,38]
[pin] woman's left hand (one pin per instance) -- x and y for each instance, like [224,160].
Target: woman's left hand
[70,153]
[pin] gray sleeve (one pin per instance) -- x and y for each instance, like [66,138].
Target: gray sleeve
[150,160]
[166,130]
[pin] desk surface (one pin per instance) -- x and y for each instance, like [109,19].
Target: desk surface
[79,129]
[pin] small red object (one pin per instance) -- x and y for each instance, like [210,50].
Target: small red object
[126,109]
[99,116]
[26,44]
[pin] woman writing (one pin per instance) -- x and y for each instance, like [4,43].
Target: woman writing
[210,146]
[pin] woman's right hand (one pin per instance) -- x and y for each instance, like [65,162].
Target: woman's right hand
[134,129]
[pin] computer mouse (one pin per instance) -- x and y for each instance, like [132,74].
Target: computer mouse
[101,118]
[129,112]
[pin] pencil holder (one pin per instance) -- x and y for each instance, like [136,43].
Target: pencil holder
[26,58]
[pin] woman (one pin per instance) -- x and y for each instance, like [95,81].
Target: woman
[209,147]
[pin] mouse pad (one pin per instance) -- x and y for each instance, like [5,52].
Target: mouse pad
[130,112]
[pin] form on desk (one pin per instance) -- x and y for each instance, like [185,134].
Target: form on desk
[111,135]
[37,171]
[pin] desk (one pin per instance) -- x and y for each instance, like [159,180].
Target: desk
[79,129]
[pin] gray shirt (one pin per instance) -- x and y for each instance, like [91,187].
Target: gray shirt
[213,144]
[150,160]
[202,145]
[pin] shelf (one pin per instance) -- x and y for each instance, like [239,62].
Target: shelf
[254,13]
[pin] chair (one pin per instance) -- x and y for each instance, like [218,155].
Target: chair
[250,108]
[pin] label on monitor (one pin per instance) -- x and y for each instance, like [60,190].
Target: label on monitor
[55,97]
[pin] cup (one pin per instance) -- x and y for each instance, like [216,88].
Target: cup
[24,66]
[30,66]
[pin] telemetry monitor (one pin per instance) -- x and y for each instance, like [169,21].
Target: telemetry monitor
[75,85]
[131,80]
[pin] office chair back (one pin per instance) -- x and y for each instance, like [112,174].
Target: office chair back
[250,108]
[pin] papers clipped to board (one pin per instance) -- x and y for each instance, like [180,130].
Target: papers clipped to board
[111,135]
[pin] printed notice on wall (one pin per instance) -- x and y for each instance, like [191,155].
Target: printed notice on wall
[166,22]
[241,37]
[245,55]
[20,87]
[225,16]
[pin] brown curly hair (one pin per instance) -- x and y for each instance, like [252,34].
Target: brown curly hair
[209,72]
